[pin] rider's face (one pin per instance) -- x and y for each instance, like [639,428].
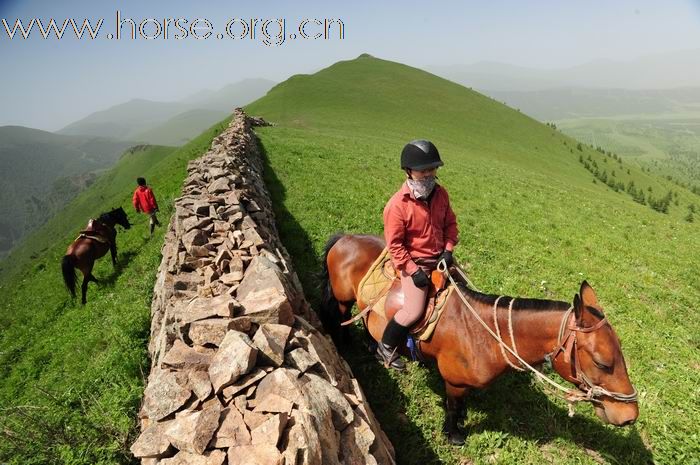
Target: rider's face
[422,174]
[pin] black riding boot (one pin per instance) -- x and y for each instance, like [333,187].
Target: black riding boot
[152,227]
[387,349]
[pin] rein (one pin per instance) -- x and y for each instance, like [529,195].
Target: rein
[587,390]
[501,344]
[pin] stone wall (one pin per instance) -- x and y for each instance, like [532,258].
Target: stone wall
[240,372]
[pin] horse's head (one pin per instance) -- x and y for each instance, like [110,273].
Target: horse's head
[592,359]
[120,218]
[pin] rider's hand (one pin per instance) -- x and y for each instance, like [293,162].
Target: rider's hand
[420,279]
[447,256]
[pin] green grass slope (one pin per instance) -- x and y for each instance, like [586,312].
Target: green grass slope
[71,377]
[533,223]
[664,143]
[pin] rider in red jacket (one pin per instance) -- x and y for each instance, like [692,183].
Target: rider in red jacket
[145,201]
[420,229]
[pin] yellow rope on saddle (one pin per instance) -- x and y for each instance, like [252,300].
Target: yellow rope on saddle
[375,285]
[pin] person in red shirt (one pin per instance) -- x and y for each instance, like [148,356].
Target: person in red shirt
[420,229]
[145,201]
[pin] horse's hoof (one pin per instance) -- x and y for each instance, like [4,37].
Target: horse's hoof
[454,435]
[456,438]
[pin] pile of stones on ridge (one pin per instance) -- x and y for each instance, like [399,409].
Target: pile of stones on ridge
[240,372]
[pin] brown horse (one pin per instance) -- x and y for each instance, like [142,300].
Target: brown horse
[99,236]
[577,338]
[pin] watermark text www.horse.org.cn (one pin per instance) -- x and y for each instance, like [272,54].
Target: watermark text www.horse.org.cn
[271,32]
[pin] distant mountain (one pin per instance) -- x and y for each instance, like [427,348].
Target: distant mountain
[125,120]
[489,75]
[181,128]
[41,171]
[139,119]
[659,71]
[570,102]
[230,96]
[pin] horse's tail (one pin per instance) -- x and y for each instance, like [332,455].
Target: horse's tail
[330,312]
[68,268]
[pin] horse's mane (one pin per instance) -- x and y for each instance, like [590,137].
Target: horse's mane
[519,304]
[522,303]
[104,217]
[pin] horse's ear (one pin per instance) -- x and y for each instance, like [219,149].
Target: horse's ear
[578,308]
[588,295]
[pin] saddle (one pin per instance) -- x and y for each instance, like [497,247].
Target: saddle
[380,289]
[97,232]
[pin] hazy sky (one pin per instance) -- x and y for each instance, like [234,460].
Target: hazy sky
[47,84]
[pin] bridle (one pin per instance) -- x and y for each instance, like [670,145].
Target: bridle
[567,344]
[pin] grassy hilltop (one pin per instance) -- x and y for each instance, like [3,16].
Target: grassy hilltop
[533,223]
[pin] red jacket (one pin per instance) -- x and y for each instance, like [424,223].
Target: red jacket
[144,200]
[418,229]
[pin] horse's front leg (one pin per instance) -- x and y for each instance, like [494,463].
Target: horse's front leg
[113,252]
[454,403]
[84,287]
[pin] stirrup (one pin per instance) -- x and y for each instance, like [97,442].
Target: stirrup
[390,357]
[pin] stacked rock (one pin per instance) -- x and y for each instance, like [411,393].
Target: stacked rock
[240,372]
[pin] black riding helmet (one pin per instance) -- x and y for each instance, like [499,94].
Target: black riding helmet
[420,155]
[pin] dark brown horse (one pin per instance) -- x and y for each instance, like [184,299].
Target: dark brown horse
[99,236]
[581,345]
